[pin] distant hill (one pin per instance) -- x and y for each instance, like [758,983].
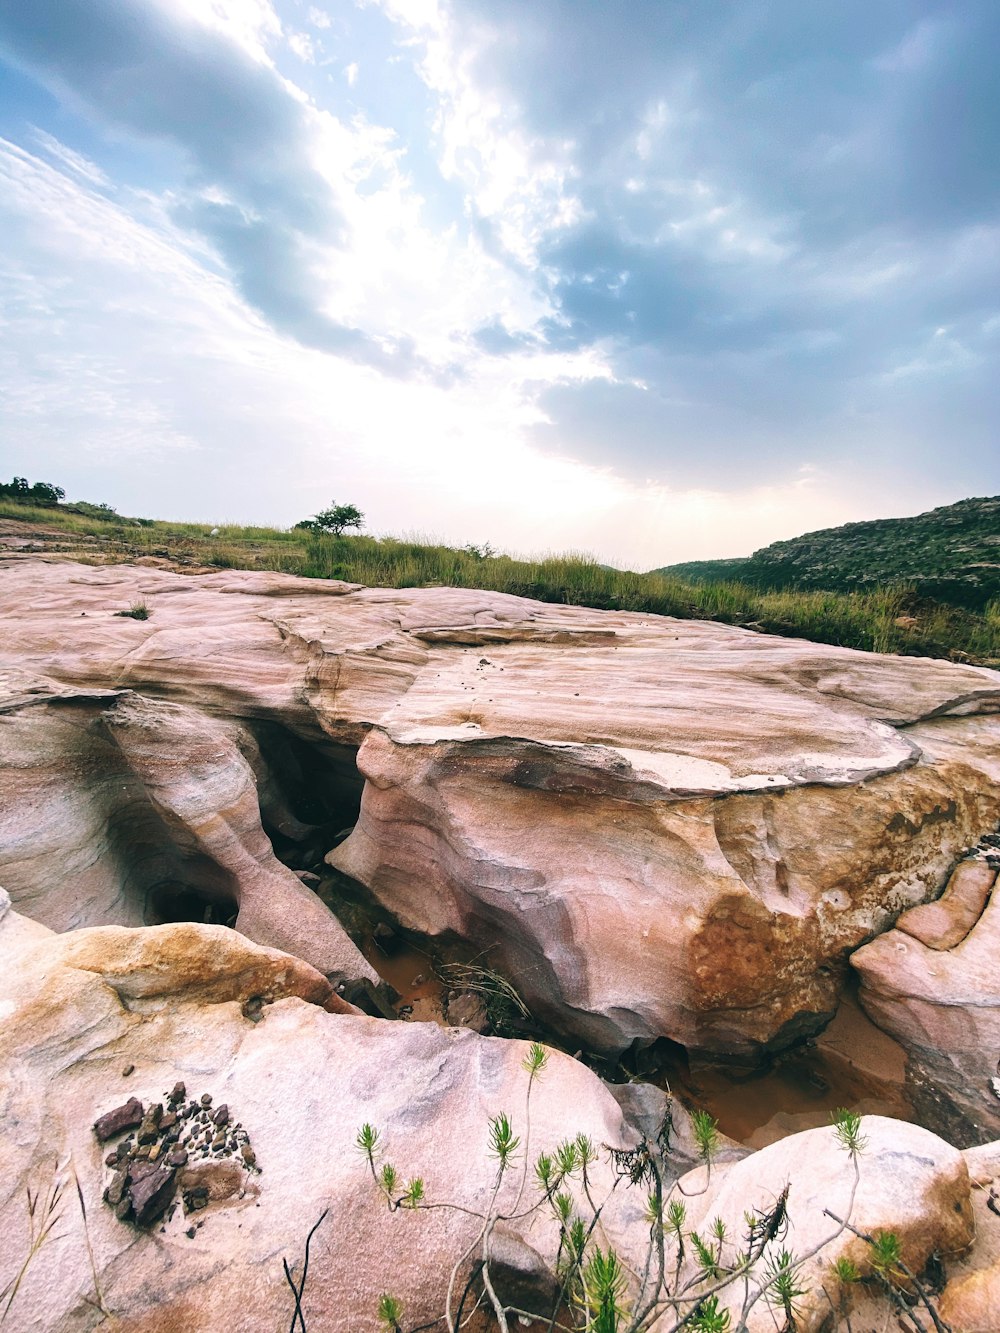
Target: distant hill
[951,554]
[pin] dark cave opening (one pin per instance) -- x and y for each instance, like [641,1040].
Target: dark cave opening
[310,794]
[171,900]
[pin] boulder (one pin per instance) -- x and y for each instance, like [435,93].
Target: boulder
[80,1006]
[908,1181]
[653,827]
[970,1303]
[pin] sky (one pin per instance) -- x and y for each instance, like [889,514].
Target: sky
[656,280]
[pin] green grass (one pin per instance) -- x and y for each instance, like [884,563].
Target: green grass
[864,620]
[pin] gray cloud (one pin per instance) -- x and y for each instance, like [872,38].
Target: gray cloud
[160,76]
[782,205]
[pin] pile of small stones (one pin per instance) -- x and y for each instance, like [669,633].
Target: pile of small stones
[161,1140]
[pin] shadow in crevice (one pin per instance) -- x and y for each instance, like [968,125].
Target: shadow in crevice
[309,793]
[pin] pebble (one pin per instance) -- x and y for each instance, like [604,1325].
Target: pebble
[163,1142]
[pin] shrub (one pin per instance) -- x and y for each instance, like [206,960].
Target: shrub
[43,493]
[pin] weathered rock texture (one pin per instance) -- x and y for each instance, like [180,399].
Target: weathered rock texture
[114,807]
[933,983]
[91,1018]
[908,1181]
[655,827]
[168,1004]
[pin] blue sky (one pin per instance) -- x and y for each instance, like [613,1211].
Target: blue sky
[657,279]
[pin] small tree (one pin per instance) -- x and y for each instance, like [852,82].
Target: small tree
[334,520]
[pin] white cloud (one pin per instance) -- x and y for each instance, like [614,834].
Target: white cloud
[130,362]
[303,46]
[252,24]
[76,162]
[520,183]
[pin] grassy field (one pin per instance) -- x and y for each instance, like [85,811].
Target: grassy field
[865,620]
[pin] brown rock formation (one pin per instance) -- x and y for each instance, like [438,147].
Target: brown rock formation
[655,827]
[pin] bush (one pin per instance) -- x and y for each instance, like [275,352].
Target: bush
[43,493]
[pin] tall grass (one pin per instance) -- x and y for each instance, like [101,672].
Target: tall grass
[864,620]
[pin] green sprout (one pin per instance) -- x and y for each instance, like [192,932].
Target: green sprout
[536,1059]
[708,1318]
[503,1140]
[782,1289]
[368,1142]
[706,1134]
[886,1254]
[676,1216]
[604,1284]
[566,1158]
[847,1126]
[545,1171]
[585,1152]
[708,1260]
[846,1270]
[390,1312]
[389,1178]
[413,1195]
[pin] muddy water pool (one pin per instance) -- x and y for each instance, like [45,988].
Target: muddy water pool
[851,1064]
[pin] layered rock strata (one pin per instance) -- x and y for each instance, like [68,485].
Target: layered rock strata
[933,984]
[653,827]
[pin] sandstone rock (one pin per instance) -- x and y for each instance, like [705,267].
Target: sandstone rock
[657,827]
[168,791]
[909,1181]
[302,1081]
[972,1303]
[946,922]
[943,1006]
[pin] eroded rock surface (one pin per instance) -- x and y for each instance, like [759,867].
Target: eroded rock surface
[934,985]
[94,1018]
[167,1005]
[655,827]
[908,1181]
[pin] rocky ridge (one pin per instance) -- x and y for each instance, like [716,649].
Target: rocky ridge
[951,554]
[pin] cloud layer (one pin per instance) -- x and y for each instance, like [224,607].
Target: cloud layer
[681,278]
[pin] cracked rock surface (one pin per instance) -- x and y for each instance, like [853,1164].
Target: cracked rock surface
[657,827]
